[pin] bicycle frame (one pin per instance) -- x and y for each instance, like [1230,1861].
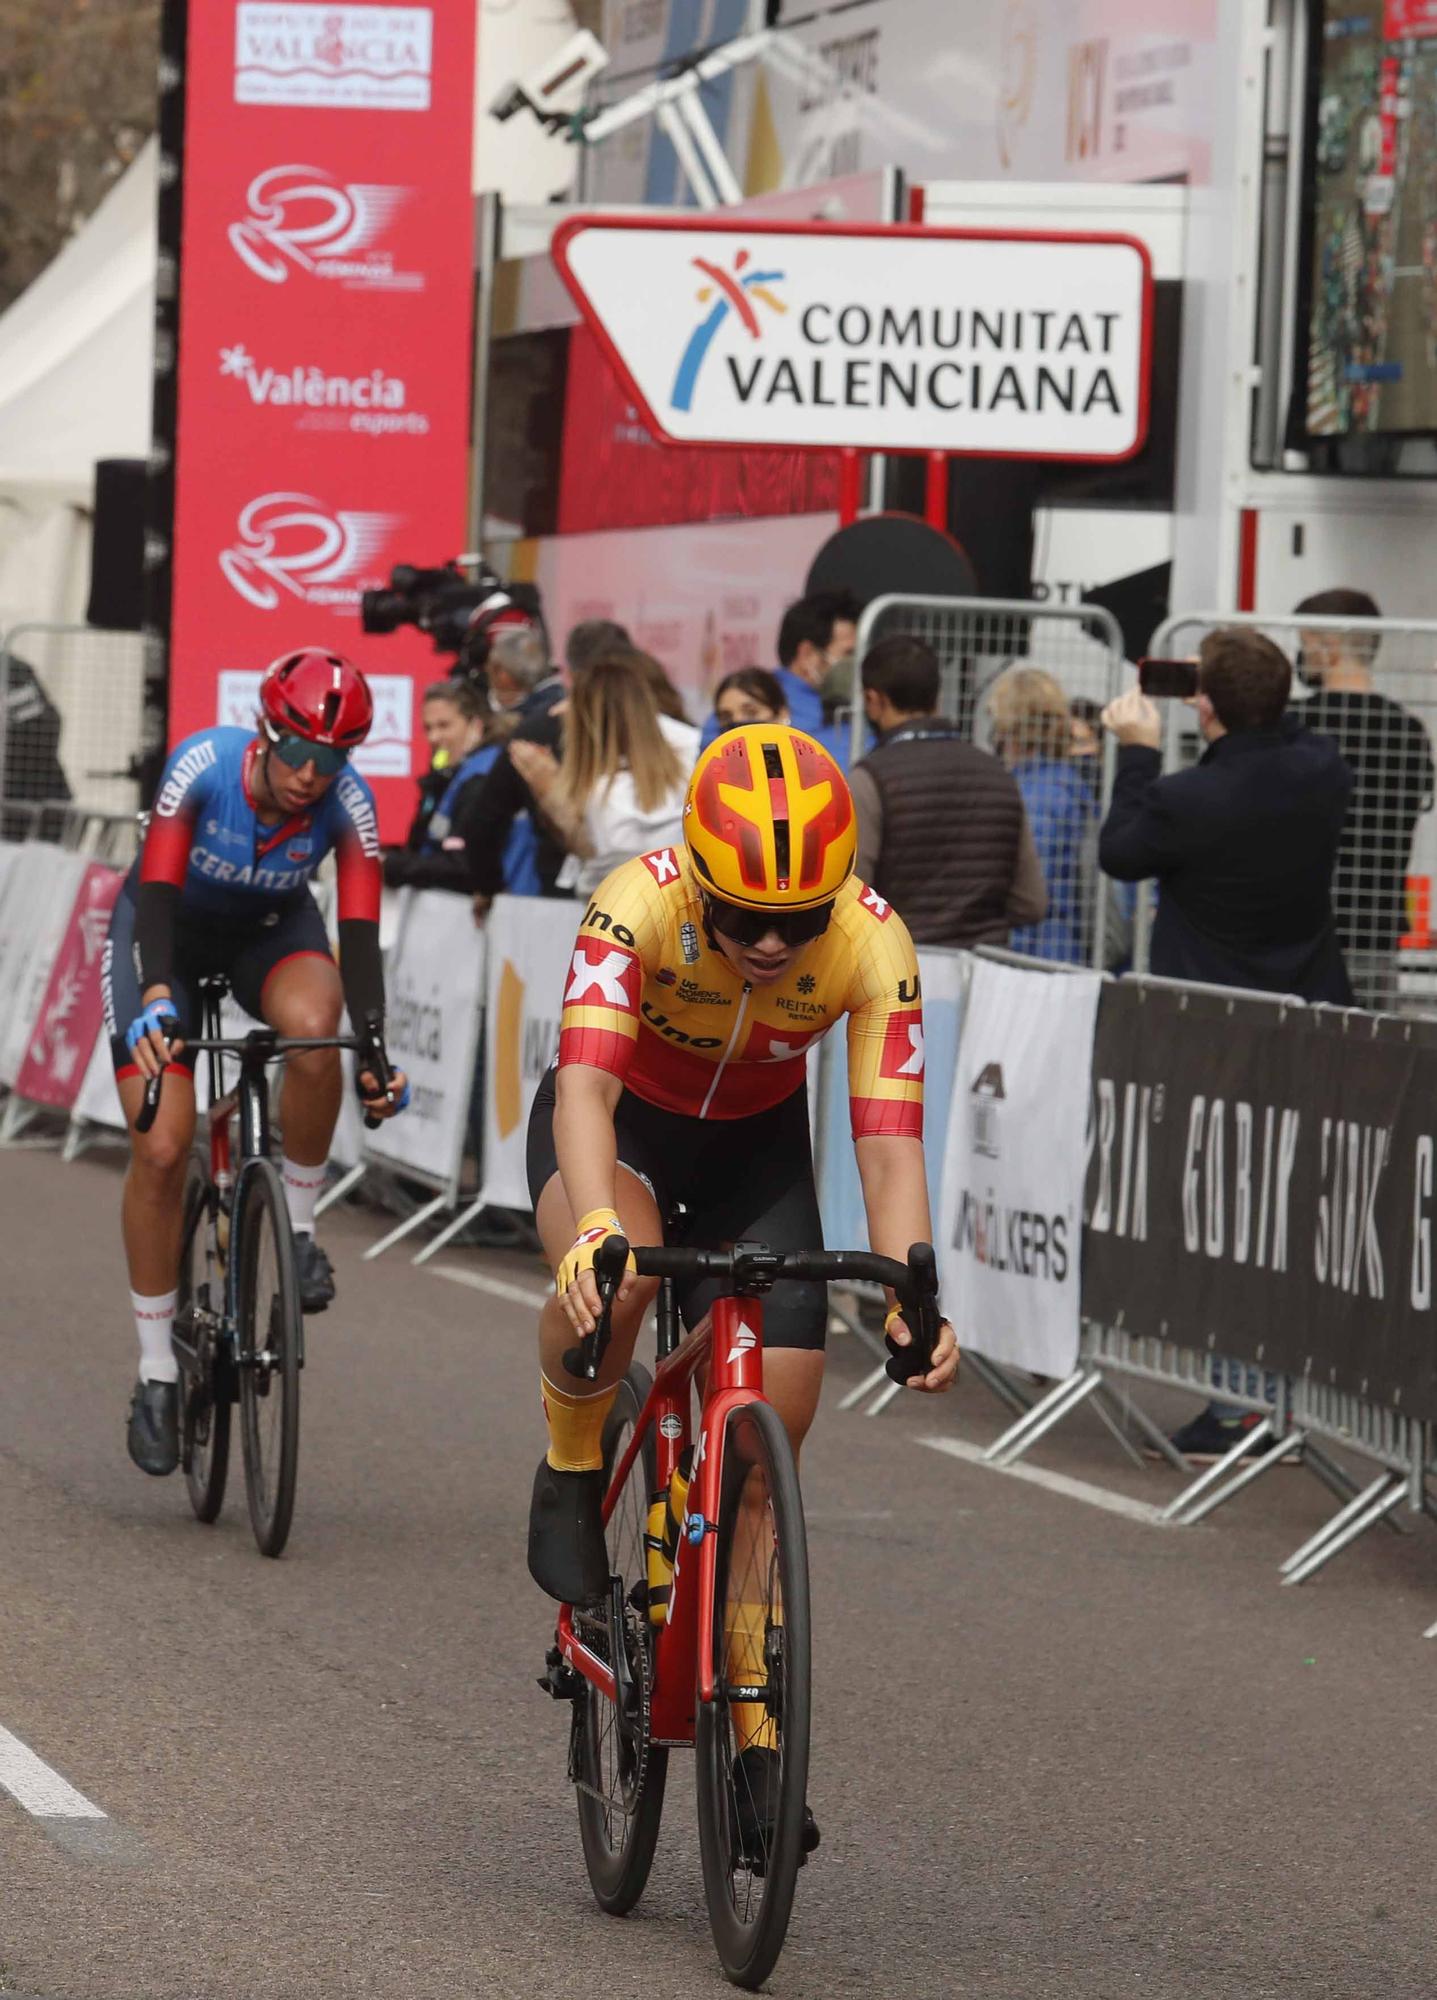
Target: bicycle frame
[732,1344]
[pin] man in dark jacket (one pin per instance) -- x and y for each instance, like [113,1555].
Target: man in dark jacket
[1242,845]
[942,833]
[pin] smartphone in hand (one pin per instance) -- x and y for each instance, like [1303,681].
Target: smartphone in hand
[1168,680]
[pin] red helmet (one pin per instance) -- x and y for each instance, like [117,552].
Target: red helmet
[317,695]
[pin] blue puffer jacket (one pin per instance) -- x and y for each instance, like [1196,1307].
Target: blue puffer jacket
[1062,813]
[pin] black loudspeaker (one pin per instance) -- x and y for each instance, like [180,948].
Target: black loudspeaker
[117,549]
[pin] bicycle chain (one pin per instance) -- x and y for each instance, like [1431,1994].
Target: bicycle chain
[644,1719]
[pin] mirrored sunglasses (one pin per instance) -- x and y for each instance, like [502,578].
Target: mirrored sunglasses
[746,927]
[297,751]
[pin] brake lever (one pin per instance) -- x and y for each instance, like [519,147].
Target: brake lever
[149,1110]
[919,1301]
[585,1360]
[373,1059]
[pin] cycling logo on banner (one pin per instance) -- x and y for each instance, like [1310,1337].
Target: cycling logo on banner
[291,546]
[373,404]
[303,219]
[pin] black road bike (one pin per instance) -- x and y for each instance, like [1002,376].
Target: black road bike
[239,1328]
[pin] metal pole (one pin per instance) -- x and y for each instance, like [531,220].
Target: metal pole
[486,255]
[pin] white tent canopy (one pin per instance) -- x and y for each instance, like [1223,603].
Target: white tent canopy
[75,366]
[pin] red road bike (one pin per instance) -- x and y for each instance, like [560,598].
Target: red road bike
[714,1651]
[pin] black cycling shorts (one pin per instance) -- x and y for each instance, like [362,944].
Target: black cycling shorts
[748,1178]
[245,953]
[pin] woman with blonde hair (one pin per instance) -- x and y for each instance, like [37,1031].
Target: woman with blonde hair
[1032,733]
[618,789]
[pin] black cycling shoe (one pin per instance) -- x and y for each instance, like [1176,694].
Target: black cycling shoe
[315,1273]
[567,1556]
[154,1433]
[755,1793]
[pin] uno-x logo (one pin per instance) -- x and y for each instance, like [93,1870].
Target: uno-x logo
[744,1341]
[291,542]
[663,866]
[878,905]
[735,294]
[302,219]
[610,978]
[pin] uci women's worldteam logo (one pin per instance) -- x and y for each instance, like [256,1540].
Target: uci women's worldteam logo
[737,291]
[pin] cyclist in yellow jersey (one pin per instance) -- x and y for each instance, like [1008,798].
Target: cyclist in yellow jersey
[700,978]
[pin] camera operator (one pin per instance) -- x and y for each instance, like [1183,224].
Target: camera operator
[522,679]
[1242,845]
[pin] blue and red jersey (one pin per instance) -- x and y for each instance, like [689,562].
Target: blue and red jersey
[206,839]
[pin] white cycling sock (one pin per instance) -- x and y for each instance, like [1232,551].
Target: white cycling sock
[154,1321]
[301,1192]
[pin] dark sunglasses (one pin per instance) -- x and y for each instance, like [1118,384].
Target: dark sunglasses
[297,751]
[746,927]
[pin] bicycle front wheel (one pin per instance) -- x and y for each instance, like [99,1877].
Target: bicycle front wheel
[205,1390]
[269,1329]
[618,1773]
[752,1739]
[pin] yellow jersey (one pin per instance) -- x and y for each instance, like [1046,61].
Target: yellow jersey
[650,1000]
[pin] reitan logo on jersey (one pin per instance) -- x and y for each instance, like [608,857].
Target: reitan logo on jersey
[291,548]
[343,58]
[372,405]
[301,219]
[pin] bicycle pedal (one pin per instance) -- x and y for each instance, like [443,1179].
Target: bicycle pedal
[559,1679]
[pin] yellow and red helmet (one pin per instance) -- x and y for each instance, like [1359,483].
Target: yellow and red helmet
[769,820]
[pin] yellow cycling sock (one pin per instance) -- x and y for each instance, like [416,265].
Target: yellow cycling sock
[576,1426]
[753,1727]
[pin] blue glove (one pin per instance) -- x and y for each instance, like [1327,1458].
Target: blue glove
[159,1017]
[403,1101]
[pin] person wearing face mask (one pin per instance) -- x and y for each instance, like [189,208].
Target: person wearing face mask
[465,741]
[750,694]
[816,641]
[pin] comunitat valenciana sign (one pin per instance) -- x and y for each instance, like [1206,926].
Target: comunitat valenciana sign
[874,338]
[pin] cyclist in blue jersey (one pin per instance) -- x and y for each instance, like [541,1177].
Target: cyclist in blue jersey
[241,821]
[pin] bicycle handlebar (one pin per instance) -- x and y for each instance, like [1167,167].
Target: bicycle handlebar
[754,1267]
[265,1045]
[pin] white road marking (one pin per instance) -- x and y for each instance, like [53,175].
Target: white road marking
[32,1784]
[480,1281]
[1054,1482]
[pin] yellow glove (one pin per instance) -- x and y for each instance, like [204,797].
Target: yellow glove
[594,1229]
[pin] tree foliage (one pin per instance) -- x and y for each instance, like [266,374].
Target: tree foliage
[77,102]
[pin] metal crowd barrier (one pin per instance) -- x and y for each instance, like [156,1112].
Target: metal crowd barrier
[1010,668]
[71,721]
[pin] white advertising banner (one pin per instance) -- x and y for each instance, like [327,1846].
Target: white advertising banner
[531,944]
[827,335]
[434,982]
[1009,1230]
[39,898]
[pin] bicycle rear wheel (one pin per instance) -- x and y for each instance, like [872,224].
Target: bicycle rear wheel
[618,1772]
[269,1324]
[205,1389]
[752,1847]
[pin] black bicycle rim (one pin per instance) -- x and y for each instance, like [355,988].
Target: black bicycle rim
[618,1771]
[204,1387]
[761,1563]
[267,1314]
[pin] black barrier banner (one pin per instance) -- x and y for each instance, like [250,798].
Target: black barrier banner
[1260,1184]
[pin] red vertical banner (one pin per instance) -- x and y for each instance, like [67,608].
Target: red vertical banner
[325,347]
